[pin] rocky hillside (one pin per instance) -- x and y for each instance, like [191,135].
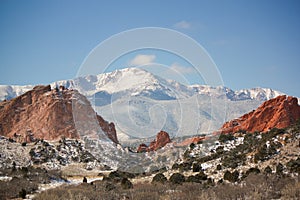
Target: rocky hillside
[233,166]
[279,112]
[42,113]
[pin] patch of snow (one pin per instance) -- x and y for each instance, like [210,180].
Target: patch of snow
[206,165]
[5,178]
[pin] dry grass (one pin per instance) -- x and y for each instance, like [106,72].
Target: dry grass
[255,186]
[14,188]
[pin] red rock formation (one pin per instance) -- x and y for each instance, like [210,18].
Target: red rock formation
[51,114]
[142,148]
[108,128]
[189,141]
[162,138]
[279,112]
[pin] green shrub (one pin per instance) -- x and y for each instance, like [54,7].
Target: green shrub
[175,166]
[201,175]
[126,184]
[231,177]
[22,194]
[220,150]
[159,178]
[119,175]
[272,133]
[200,142]
[192,146]
[265,153]
[186,166]
[279,168]
[197,167]
[253,170]
[294,165]
[198,178]
[268,170]
[177,178]
[84,180]
[250,140]
[226,137]
[250,171]
[233,159]
[193,179]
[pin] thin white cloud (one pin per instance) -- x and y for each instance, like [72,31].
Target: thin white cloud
[142,59]
[179,69]
[182,25]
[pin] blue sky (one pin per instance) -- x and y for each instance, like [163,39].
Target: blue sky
[253,43]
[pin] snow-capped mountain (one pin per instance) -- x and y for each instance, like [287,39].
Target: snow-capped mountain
[129,81]
[11,91]
[138,82]
[141,103]
[261,94]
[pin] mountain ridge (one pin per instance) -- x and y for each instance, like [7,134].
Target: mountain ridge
[140,82]
[141,103]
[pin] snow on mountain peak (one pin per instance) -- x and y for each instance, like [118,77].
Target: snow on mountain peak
[139,82]
[125,79]
[258,93]
[11,91]
[144,101]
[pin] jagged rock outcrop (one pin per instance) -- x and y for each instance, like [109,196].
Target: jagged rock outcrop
[51,114]
[162,138]
[279,112]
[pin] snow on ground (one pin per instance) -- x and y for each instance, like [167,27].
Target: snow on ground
[5,178]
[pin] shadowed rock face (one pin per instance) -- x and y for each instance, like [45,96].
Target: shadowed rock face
[49,114]
[279,112]
[162,138]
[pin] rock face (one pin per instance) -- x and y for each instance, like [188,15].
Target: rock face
[51,114]
[142,148]
[279,112]
[162,138]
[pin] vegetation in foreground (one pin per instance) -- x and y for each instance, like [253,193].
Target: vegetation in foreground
[264,166]
[251,170]
[255,186]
